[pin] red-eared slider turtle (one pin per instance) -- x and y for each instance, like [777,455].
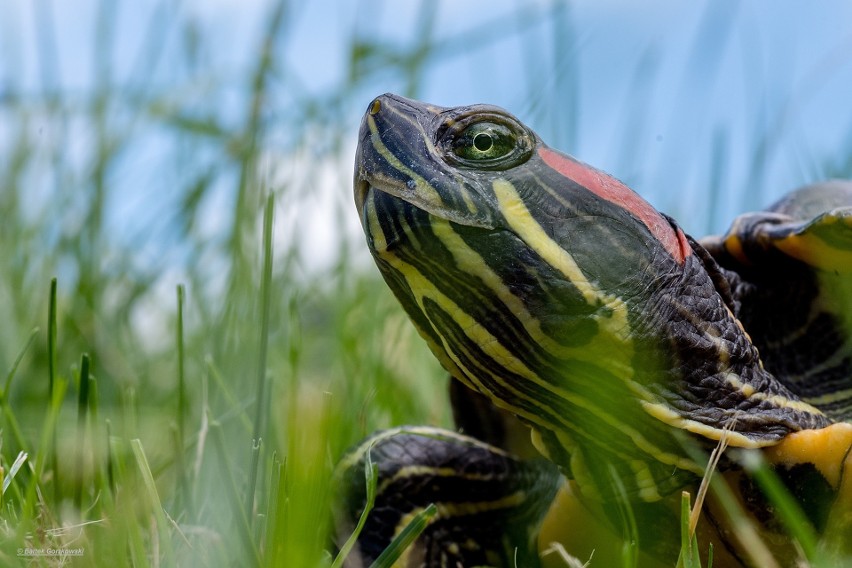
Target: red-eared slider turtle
[567,305]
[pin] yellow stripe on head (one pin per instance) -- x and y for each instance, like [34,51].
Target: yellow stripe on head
[530,231]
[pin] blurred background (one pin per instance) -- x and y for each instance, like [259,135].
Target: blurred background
[140,142]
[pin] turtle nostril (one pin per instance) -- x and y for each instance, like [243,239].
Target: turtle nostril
[375,107]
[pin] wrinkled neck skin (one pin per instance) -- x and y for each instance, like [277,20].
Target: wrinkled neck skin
[716,379]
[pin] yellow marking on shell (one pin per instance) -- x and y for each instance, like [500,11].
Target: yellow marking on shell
[665,413]
[775,400]
[829,449]
[814,251]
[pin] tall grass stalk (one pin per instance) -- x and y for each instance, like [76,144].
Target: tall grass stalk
[261,395]
[82,434]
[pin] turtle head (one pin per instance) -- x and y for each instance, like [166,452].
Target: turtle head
[480,171]
[525,270]
[437,159]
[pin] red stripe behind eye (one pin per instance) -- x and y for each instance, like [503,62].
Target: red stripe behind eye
[607,187]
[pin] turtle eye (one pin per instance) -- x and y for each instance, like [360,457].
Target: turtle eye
[484,141]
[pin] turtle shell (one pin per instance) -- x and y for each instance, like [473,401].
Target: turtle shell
[789,273]
[789,270]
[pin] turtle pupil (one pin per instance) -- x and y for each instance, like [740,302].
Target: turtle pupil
[483,142]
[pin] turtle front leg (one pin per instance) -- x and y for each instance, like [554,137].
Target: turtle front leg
[489,503]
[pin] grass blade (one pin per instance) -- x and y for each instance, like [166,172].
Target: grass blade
[154,497]
[371,477]
[182,405]
[16,465]
[17,435]
[405,538]
[51,387]
[82,409]
[232,492]
[788,510]
[261,397]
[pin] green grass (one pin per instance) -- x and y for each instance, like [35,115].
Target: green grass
[154,416]
[188,419]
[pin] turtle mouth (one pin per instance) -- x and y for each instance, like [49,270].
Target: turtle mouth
[366,186]
[386,161]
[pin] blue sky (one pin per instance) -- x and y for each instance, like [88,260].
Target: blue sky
[676,98]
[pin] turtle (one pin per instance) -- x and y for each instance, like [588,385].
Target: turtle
[598,353]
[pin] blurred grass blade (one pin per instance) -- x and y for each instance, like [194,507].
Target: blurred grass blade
[712,463]
[743,530]
[51,387]
[45,447]
[154,498]
[82,410]
[405,538]
[181,402]
[789,512]
[14,368]
[629,552]
[7,413]
[261,396]
[232,494]
[185,495]
[689,556]
[13,471]
[371,477]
